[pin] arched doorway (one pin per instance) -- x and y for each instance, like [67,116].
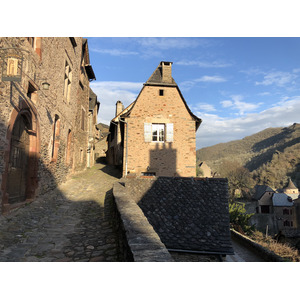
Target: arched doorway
[19,180]
[18,160]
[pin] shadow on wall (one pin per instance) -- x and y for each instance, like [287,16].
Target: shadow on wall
[41,215]
[43,228]
[163,160]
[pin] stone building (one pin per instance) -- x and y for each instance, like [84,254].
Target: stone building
[277,212]
[44,105]
[101,145]
[156,134]
[93,131]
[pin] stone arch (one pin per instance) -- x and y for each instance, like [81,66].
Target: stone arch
[20,157]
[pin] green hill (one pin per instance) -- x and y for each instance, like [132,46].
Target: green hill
[271,155]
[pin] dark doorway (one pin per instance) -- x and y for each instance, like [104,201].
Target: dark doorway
[18,160]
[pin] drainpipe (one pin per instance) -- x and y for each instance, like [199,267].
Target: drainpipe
[126,158]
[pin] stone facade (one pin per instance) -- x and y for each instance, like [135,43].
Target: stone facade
[49,107]
[156,134]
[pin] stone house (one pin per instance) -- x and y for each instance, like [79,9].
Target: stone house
[44,105]
[156,134]
[205,170]
[101,144]
[277,211]
[263,195]
[94,133]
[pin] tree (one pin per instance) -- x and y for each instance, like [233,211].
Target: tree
[239,219]
[239,178]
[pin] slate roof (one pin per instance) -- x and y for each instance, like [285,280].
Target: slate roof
[93,100]
[260,190]
[291,185]
[187,214]
[156,77]
[281,199]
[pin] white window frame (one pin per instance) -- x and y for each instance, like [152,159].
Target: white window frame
[158,132]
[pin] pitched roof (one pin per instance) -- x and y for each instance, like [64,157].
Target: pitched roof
[260,190]
[290,185]
[93,100]
[187,214]
[156,79]
[281,199]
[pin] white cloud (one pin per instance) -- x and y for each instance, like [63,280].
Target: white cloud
[211,79]
[203,64]
[186,85]
[215,129]
[169,43]
[236,103]
[227,103]
[264,94]
[109,92]
[277,78]
[114,52]
[203,107]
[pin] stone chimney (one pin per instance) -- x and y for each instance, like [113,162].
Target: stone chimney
[166,69]
[119,107]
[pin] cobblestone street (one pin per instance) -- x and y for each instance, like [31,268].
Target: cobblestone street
[72,223]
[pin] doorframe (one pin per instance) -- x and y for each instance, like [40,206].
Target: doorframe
[34,149]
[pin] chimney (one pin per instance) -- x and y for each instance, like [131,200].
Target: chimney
[119,107]
[166,68]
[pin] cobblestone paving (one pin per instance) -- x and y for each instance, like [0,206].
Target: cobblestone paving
[71,223]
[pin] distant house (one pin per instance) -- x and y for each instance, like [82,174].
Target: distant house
[263,195]
[156,134]
[278,210]
[205,170]
[101,144]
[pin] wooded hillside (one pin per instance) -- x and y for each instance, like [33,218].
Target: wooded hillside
[271,155]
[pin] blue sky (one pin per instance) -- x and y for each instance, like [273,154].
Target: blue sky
[237,86]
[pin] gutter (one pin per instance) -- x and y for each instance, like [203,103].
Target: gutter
[199,252]
[126,158]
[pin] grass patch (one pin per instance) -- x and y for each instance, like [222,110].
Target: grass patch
[284,250]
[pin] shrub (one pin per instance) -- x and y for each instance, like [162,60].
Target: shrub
[239,219]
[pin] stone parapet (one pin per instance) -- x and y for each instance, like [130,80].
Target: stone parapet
[266,254]
[138,240]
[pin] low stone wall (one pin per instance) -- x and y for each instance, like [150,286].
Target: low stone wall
[266,254]
[137,239]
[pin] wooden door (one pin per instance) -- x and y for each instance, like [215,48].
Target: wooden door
[17,172]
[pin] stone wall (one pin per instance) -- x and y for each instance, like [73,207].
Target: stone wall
[44,107]
[255,247]
[138,240]
[177,158]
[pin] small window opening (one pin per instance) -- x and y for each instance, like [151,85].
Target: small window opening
[161,92]
[148,174]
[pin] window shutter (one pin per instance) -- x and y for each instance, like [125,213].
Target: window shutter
[147,132]
[169,132]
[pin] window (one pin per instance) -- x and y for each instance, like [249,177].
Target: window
[158,132]
[286,211]
[55,143]
[161,92]
[68,81]
[68,158]
[148,174]
[286,223]
[31,41]
[265,209]
[82,118]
